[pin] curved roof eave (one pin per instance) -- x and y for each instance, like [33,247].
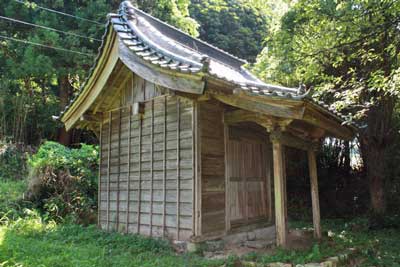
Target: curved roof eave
[164,47]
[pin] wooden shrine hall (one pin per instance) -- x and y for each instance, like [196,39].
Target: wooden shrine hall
[191,143]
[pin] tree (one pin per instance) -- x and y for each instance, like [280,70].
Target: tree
[38,82]
[235,26]
[348,50]
[175,12]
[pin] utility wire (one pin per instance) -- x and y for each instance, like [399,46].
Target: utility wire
[48,28]
[59,12]
[45,46]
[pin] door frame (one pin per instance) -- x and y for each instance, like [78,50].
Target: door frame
[269,171]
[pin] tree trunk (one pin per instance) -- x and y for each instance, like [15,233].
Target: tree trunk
[374,142]
[64,137]
[375,170]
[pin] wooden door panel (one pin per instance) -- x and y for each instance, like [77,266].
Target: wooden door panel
[257,200]
[246,171]
[237,197]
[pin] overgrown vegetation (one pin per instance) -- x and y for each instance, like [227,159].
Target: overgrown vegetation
[30,242]
[11,200]
[63,182]
[29,238]
[12,162]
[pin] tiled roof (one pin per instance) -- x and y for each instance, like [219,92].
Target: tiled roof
[166,47]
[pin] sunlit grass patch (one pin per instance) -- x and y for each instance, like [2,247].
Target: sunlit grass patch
[31,242]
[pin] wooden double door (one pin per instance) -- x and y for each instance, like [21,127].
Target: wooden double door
[247,177]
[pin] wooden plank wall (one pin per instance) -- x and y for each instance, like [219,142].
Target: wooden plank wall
[212,167]
[146,175]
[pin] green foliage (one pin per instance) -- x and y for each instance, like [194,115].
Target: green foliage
[12,162]
[392,170]
[347,50]
[11,202]
[30,242]
[175,12]
[315,254]
[63,181]
[235,26]
[37,82]
[348,56]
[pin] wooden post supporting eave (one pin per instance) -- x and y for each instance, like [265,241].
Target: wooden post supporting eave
[279,189]
[312,165]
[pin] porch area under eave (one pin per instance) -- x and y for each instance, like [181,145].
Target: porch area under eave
[281,132]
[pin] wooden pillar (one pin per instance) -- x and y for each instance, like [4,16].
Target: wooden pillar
[312,165]
[164,169]
[285,186]
[279,189]
[100,178]
[139,203]
[152,168]
[178,169]
[109,168]
[117,219]
[128,181]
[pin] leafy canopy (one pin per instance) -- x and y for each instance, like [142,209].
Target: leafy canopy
[236,26]
[349,50]
[35,82]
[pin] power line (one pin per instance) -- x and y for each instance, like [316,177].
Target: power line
[59,12]
[48,28]
[45,46]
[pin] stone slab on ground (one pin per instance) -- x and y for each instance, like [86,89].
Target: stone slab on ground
[259,244]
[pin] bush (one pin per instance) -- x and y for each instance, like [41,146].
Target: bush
[12,162]
[63,182]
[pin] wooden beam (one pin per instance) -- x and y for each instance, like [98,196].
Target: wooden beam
[198,210]
[331,125]
[266,121]
[116,95]
[240,115]
[119,168]
[108,168]
[128,185]
[194,137]
[114,76]
[164,165]
[99,175]
[96,82]
[279,187]
[312,163]
[285,186]
[151,167]
[204,97]
[295,141]
[268,155]
[178,169]
[227,204]
[140,174]
[261,107]
[270,123]
[95,118]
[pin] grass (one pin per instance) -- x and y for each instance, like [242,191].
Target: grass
[378,247]
[28,241]
[11,191]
